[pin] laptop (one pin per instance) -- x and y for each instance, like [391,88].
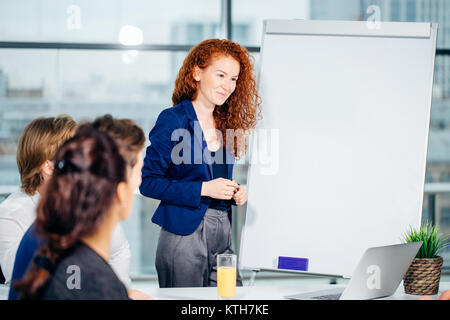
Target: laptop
[378,274]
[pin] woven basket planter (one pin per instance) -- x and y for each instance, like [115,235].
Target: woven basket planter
[423,276]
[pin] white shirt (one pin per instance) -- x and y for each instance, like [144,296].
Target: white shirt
[18,212]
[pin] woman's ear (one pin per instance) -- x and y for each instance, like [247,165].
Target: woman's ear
[121,193]
[197,73]
[123,200]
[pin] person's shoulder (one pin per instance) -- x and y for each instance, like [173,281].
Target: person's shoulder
[76,285]
[13,199]
[16,204]
[173,113]
[83,274]
[81,255]
[173,117]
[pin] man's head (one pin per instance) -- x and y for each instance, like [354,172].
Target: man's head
[37,147]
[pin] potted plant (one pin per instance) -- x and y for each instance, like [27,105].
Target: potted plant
[424,273]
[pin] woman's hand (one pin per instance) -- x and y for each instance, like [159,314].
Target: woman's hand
[444,296]
[219,188]
[240,197]
[137,295]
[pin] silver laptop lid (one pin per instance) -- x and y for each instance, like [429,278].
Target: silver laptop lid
[380,271]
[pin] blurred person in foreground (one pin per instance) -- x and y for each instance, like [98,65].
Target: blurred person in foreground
[89,193]
[130,139]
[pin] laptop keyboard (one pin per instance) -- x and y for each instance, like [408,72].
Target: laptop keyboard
[328,297]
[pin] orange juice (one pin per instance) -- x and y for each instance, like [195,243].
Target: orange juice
[226,282]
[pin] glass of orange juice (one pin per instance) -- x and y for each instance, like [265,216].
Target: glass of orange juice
[226,275]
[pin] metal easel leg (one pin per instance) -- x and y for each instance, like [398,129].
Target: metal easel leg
[252,278]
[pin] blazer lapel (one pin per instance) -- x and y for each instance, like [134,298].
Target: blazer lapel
[200,149]
[208,161]
[229,161]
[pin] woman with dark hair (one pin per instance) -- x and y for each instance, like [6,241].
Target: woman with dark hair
[130,140]
[189,164]
[91,190]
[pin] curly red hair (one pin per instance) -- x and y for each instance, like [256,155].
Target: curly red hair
[242,109]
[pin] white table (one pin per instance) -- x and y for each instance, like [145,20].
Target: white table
[274,292]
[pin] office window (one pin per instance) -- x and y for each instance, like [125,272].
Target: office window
[438,157]
[250,13]
[101,21]
[395,11]
[241,33]
[139,84]
[445,216]
[443,220]
[87,84]
[411,10]
[28,85]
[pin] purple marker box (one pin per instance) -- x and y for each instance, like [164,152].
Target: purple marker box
[299,264]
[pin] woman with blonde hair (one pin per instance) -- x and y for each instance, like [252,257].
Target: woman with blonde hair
[189,163]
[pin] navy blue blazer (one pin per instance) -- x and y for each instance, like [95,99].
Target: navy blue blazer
[177,181]
[29,245]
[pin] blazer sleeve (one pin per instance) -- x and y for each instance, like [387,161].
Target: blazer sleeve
[155,183]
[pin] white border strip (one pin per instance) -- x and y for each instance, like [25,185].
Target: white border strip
[348,28]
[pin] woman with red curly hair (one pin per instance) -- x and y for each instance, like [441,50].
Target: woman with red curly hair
[189,163]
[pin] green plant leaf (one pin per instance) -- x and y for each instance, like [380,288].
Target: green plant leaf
[433,243]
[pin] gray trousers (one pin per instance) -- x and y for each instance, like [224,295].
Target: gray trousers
[191,260]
